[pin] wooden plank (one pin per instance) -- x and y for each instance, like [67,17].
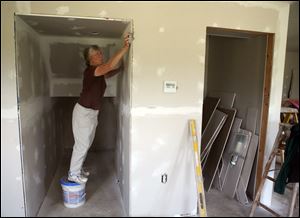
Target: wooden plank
[265,108]
[212,130]
[215,154]
[239,147]
[209,106]
[246,171]
[226,98]
[225,159]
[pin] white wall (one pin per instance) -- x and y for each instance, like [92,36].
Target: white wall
[170,45]
[291,64]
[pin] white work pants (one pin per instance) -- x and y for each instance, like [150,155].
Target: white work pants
[84,123]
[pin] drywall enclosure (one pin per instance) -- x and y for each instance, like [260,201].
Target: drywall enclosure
[160,61]
[236,64]
[47,66]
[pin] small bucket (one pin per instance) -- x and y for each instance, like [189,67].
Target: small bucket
[73,193]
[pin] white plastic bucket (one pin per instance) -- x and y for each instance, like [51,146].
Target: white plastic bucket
[73,193]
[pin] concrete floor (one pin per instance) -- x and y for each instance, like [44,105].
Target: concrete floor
[219,205]
[103,197]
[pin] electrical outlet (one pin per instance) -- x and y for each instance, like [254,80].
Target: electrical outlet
[164,178]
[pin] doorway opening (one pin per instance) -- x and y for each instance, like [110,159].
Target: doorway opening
[238,72]
[50,67]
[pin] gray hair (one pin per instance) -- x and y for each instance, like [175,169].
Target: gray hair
[87,51]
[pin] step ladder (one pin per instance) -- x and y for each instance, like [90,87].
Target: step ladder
[276,149]
[198,171]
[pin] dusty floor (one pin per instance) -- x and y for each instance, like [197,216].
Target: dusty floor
[219,205]
[103,197]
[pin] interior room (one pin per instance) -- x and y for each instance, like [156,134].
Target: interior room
[50,73]
[186,128]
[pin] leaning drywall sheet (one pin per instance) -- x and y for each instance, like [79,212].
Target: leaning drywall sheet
[213,128]
[209,106]
[251,119]
[215,154]
[226,98]
[238,151]
[244,178]
[235,128]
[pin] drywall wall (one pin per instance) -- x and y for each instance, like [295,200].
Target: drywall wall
[123,131]
[12,195]
[171,46]
[291,65]
[236,65]
[66,64]
[41,152]
[105,136]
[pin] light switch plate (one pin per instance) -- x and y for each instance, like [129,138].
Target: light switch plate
[170,86]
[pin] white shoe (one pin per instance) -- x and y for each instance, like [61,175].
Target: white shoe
[85,173]
[78,179]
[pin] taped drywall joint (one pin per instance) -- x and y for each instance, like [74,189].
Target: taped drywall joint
[103,13]
[62,10]
[153,110]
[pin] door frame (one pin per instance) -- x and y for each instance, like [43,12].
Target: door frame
[266,86]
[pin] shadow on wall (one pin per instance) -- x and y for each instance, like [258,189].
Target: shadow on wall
[105,137]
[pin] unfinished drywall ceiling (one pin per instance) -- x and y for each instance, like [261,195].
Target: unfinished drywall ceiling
[170,45]
[70,26]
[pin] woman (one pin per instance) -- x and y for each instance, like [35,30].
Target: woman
[85,113]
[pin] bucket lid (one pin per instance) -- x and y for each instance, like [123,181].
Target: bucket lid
[66,182]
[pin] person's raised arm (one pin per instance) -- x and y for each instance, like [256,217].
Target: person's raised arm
[113,61]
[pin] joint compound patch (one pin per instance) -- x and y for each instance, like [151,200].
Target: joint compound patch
[62,10]
[267,29]
[103,13]
[18,147]
[160,71]
[200,85]
[161,29]
[200,41]
[201,59]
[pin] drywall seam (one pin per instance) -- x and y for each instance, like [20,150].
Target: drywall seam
[66,81]
[73,39]
[75,17]
[143,111]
